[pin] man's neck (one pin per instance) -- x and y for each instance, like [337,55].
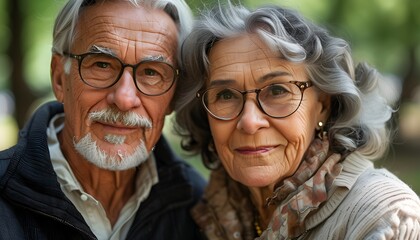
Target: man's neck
[111,188]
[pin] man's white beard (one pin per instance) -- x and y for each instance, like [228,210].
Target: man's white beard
[120,160]
[88,148]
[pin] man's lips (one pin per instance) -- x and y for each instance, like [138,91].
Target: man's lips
[119,127]
[254,150]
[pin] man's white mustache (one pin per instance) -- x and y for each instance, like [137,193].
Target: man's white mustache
[129,119]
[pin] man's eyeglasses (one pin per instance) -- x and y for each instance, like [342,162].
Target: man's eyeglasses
[100,70]
[278,100]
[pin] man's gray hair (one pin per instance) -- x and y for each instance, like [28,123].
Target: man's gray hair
[66,21]
[65,24]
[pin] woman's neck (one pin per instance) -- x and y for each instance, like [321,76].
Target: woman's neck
[258,198]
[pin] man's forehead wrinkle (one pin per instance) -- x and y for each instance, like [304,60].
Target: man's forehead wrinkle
[157,39]
[90,23]
[98,44]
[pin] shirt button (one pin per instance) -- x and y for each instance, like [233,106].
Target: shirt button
[83,197]
[236,235]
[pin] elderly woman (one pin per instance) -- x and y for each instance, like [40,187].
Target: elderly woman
[278,102]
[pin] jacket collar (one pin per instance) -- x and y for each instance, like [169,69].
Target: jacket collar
[173,178]
[31,182]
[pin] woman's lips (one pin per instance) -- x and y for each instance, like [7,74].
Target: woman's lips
[254,150]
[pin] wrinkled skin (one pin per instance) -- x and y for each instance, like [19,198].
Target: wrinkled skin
[255,149]
[132,34]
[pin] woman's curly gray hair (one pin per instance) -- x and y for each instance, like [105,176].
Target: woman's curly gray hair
[359,110]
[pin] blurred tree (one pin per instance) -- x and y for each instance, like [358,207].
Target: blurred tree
[411,39]
[23,95]
[29,27]
[384,33]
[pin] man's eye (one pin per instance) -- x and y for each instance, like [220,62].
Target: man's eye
[102,64]
[150,72]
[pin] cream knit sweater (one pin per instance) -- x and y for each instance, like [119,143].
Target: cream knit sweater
[366,203]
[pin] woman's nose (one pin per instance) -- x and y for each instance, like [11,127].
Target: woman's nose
[252,118]
[124,93]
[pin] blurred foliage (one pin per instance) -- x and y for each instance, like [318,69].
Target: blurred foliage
[383,33]
[380,32]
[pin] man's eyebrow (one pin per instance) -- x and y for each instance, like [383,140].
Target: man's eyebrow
[100,49]
[109,51]
[159,58]
[273,75]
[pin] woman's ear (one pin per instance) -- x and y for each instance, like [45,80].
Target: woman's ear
[57,76]
[325,100]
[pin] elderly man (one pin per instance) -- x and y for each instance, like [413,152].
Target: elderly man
[94,164]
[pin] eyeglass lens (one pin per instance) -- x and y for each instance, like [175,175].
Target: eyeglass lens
[102,71]
[276,100]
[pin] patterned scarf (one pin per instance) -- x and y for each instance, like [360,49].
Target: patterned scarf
[226,211]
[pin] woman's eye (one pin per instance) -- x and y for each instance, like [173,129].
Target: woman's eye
[225,94]
[276,90]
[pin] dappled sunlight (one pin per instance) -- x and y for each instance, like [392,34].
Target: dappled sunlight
[410,122]
[175,142]
[381,33]
[8,132]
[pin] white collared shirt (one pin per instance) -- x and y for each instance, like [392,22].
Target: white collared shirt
[90,208]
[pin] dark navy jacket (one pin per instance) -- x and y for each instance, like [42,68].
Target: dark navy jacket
[32,205]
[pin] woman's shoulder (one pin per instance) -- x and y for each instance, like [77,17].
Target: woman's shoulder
[379,190]
[378,205]
[381,185]
[365,183]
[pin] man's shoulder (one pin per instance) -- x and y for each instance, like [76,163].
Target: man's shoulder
[5,157]
[31,134]
[10,229]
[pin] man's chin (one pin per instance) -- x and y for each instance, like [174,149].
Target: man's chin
[115,157]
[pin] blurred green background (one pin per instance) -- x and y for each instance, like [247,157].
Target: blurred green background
[386,34]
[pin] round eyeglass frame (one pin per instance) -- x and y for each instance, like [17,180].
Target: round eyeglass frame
[301,85]
[80,57]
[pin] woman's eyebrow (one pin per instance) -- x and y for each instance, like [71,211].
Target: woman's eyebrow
[221,82]
[273,75]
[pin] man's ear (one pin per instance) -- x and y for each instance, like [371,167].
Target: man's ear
[58,76]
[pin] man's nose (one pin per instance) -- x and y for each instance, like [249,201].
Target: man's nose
[124,93]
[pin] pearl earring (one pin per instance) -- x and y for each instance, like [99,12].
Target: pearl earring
[320,130]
